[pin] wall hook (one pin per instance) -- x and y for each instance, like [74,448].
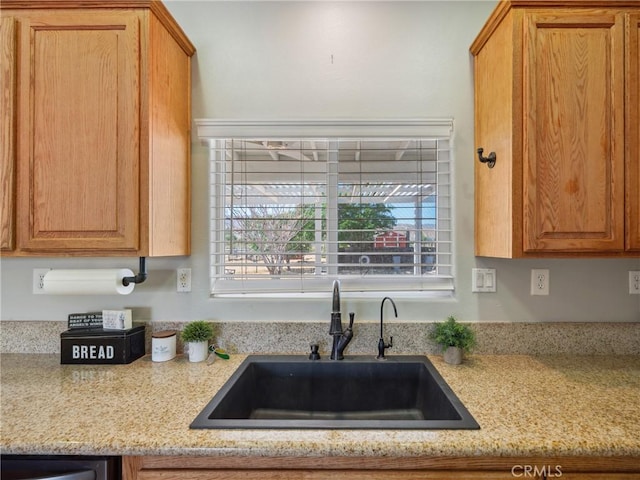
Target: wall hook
[140,277]
[490,160]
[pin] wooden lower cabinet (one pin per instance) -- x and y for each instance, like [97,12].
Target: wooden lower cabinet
[383,468]
[599,476]
[323,475]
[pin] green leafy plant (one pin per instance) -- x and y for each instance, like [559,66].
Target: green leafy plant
[197,331]
[453,334]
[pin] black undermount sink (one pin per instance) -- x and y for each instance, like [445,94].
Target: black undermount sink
[290,391]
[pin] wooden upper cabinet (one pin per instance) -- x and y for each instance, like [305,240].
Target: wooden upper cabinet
[573,148]
[79,169]
[633,134]
[7,133]
[103,115]
[551,88]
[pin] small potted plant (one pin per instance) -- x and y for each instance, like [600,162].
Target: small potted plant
[455,339]
[197,334]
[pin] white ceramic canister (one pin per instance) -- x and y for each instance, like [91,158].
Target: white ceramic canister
[163,345]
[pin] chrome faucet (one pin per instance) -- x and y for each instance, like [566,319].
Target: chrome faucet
[381,345]
[340,338]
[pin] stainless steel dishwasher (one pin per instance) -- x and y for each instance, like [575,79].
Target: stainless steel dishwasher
[59,467]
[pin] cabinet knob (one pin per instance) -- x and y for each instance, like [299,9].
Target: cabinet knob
[490,160]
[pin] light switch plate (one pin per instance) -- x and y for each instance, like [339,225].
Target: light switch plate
[483,280]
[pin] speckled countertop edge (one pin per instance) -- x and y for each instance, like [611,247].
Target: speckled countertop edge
[562,405]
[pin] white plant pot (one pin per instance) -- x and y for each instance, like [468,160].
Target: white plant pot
[198,351]
[453,355]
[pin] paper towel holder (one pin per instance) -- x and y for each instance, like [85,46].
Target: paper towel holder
[139,277]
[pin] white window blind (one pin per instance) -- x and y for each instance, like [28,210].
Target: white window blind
[292,213]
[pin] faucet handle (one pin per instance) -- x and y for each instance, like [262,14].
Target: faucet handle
[351,318]
[383,346]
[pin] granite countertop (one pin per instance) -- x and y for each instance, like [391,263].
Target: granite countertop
[526,405]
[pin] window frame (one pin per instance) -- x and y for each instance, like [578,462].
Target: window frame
[211,131]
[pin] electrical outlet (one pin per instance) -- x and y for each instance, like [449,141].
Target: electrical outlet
[539,282]
[634,283]
[38,280]
[184,280]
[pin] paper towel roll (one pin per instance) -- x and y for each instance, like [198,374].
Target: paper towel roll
[87,282]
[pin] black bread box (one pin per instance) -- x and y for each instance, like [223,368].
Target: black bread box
[96,346]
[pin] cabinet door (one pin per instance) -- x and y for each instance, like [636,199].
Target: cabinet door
[78,124]
[573,131]
[8,133]
[633,134]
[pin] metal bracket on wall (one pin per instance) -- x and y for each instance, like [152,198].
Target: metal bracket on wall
[140,277]
[490,160]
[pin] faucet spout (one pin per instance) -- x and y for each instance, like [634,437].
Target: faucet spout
[382,346]
[336,317]
[335,302]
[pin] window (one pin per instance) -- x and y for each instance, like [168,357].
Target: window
[293,210]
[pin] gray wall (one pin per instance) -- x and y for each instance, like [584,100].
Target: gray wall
[325,60]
